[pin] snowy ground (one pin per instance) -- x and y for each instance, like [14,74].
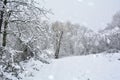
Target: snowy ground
[90,67]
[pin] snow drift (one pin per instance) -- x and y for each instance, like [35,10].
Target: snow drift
[91,67]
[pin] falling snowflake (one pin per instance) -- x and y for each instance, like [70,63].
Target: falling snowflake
[51,77]
[80,0]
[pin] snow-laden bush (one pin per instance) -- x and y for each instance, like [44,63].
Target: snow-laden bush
[9,69]
[11,62]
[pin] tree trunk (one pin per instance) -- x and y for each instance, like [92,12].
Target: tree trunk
[5,34]
[1,20]
[58,46]
[5,26]
[1,14]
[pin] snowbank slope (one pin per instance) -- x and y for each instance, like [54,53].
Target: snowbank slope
[91,67]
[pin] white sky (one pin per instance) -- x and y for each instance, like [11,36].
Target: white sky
[95,14]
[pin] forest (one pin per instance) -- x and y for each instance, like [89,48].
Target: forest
[26,33]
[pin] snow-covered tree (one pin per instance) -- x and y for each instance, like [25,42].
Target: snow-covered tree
[21,33]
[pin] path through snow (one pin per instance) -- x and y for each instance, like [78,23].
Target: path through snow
[91,67]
